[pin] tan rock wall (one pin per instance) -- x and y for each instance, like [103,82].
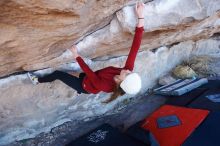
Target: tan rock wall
[35,33]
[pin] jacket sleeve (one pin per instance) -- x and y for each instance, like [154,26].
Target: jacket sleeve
[91,75]
[134,48]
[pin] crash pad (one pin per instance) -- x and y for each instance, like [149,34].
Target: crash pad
[182,123]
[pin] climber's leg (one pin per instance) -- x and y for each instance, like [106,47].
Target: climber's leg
[72,81]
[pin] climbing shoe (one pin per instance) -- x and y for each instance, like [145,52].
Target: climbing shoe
[33,78]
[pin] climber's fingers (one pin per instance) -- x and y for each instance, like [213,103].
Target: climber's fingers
[139,8]
[73,48]
[136,6]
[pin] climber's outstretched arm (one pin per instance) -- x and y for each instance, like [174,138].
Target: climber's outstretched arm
[139,9]
[84,66]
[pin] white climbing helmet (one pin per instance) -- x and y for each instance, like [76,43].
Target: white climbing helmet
[131,84]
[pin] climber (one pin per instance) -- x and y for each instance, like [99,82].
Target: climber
[109,79]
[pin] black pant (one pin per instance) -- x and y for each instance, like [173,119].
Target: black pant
[70,80]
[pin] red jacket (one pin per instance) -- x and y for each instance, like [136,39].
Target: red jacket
[103,80]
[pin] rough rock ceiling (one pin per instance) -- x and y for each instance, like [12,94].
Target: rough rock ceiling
[35,33]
